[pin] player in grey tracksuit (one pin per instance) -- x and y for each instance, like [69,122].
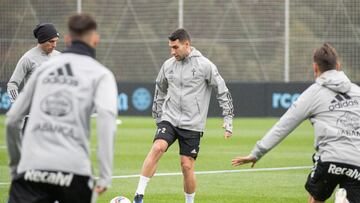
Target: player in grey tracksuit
[183,90]
[47,37]
[60,97]
[181,103]
[332,104]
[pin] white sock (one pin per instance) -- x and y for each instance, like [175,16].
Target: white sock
[189,198]
[143,181]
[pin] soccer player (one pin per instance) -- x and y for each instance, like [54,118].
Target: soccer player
[181,103]
[47,37]
[332,104]
[61,95]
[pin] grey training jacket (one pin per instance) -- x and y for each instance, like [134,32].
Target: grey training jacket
[60,96]
[332,104]
[183,91]
[25,67]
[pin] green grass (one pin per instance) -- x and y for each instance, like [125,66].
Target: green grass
[134,139]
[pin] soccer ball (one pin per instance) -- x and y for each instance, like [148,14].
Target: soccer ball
[120,199]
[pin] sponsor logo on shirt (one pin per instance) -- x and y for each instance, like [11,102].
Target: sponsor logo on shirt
[62,75]
[53,128]
[349,124]
[342,101]
[58,104]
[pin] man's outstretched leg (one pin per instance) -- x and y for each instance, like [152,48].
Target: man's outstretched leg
[187,167]
[149,167]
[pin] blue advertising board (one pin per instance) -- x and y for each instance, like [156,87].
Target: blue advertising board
[250,99]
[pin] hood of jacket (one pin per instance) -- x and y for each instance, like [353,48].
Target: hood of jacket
[334,80]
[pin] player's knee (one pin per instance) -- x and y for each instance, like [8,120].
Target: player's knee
[158,149]
[186,166]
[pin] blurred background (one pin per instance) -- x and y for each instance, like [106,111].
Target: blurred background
[251,41]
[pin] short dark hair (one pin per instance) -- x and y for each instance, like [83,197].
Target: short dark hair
[80,24]
[179,34]
[326,57]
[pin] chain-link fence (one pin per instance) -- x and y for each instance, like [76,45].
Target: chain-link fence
[245,38]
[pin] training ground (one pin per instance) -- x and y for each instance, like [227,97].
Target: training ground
[278,177]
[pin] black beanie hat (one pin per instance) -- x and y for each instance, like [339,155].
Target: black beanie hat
[44,32]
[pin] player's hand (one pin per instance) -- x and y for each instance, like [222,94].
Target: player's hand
[227,134]
[99,189]
[240,160]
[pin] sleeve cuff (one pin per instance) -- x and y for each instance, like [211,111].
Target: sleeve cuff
[257,153]
[104,182]
[228,123]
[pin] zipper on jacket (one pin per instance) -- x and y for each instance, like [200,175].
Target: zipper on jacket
[181,87]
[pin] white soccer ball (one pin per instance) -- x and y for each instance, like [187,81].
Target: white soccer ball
[120,199]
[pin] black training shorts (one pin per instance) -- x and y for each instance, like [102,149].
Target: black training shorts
[189,141]
[37,186]
[325,176]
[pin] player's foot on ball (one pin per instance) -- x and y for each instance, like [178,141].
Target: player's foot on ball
[138,198]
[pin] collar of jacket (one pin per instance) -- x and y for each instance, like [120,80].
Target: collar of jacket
[193,53]
[42,51]
[79,47]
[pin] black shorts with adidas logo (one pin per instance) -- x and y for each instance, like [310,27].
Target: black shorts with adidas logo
[39,186]
[189,141]
[326,176]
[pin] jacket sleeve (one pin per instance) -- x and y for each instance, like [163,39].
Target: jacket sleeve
[15,115]
[105,102]
[17,77]
[223,95]
[300,110]
[161,87]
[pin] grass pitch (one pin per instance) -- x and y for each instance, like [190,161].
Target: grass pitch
[134,139]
